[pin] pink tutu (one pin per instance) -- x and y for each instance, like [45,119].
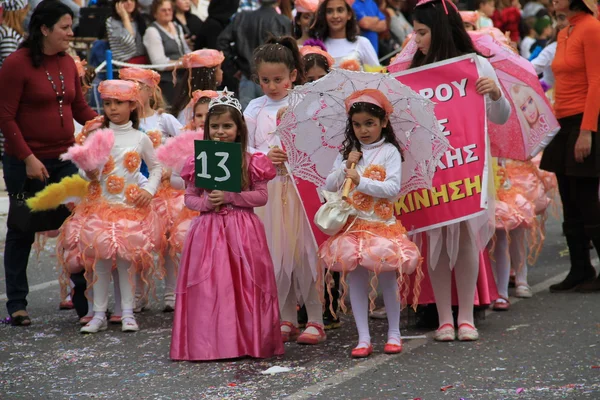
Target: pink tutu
[513,211]
[524,179]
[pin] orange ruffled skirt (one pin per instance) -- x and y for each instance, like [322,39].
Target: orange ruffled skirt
[376,246]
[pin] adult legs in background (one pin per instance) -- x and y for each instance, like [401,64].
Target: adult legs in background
[579,197]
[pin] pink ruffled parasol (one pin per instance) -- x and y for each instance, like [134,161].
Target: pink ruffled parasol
[313,128]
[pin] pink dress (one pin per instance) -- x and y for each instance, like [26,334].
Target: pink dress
[227,303]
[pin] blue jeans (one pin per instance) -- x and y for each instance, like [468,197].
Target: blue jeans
[18,244]
[248,91]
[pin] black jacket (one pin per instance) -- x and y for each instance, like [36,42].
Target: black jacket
[247,31]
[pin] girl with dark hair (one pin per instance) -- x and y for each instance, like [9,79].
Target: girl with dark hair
[202,72]
[440,34]
[305,14]
[277,67]
[189,22]
[226,279]
[125,29]
[41,96]
[317,63]
[335,24]
[574,153]
[371,146]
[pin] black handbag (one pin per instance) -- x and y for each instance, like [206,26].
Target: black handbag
[22,219]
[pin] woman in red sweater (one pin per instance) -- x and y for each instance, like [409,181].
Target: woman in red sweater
[574,153]
[41,95]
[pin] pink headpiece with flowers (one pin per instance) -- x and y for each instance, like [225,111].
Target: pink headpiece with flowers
[306,50]
[197,95]
[349,2]
[146,76]
[470,17]
[307,6]
[371,96]
[205,58]
[120,90]
[423,2]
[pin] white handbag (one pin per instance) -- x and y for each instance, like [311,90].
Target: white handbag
[333,215]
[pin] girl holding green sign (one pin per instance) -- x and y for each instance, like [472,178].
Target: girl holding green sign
[226,294]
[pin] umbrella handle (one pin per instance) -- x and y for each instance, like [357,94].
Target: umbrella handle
[347,185]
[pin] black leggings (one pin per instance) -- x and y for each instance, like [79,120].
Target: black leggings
[581,205]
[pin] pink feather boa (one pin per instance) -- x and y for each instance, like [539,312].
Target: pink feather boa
[178,149]
[94,152]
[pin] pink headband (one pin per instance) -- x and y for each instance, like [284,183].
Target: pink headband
[371,96]
[423,2]
[198,94]
[307,6]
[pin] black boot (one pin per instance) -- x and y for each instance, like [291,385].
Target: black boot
[592,285]
[79,300]
[579,252]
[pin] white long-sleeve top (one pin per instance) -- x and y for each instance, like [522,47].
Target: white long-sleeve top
[497,111]
[130,140]
[379,153]
[543,63]
[261,119]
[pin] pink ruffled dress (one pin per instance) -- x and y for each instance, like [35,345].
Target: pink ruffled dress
[106,225]
[372,238]
[227,303]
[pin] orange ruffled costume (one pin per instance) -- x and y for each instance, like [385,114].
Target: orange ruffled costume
[373,239]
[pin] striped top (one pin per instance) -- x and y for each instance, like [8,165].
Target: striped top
[9,42]
[13,5]
[124,46]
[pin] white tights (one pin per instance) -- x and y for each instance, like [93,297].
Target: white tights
[358,282]
[103,273]
[170,281]
[466,271]
[314,308]
[506,255]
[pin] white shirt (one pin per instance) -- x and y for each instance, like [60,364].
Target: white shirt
[200,10]
[165,123]
[261,119]
[543,63]
[497,111]
[379,153]
[362,50]
[525,47]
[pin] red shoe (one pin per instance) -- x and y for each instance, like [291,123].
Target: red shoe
[311,338]
[501,305]
[66,305]
[392,348]
[362,352]
[114,319]
[84,320]
[290,336]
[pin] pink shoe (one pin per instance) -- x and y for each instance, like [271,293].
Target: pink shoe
[311,338]
[445,333]
[467,333]
[290,336]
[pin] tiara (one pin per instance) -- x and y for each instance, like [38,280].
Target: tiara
[225,98]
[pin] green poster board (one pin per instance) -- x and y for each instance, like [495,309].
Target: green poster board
[218,165]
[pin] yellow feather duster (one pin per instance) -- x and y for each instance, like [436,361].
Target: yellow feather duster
[55,194]
[374,68]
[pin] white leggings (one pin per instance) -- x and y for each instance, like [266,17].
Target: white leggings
[358,282]
[466,272]
[314,307]
[507,256]
[103,273]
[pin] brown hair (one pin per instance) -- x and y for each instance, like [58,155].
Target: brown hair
[242,134]
[134,117]
[284,50]
[14,20]
[156,4]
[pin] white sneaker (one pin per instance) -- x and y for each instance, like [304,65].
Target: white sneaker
[94,326]
[523,292]
[128,324]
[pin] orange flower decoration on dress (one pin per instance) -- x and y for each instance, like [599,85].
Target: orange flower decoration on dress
[115,184]
[131,193]
[362,202]
[132,161]
[109,166]
[156,138]
[94,190]
[384,209]
[350,65]
[375,172]
[80,138]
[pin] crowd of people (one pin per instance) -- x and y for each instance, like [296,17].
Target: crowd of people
[242,272]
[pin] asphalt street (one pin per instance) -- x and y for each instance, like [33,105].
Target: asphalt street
[547,347]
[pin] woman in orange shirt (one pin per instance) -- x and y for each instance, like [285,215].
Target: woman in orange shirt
[574,153]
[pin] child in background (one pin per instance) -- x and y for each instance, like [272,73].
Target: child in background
[114,228]
[227,298]
[371,145]
[486,9]
[544,30]
[305,14]
[278,66]
[203,72]
[199,109]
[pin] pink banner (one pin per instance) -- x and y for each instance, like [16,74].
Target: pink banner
[458,185]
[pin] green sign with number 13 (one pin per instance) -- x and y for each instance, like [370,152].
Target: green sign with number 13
[218,166]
